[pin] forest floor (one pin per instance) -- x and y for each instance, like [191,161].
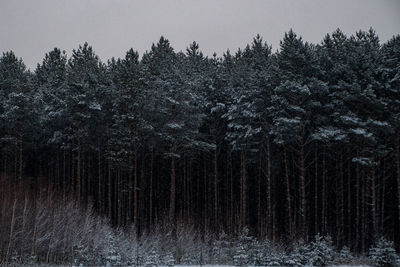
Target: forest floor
[206,265]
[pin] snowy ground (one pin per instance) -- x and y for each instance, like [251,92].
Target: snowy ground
[207,265]
[258,266]
[248,266]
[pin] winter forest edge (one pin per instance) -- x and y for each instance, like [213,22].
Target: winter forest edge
[253,158]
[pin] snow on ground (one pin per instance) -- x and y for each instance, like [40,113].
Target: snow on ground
[209,265]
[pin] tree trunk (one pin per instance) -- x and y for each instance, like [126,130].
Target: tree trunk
[289,208]
[398,173]
[135,182]
[270,220]
[173,189]
[303,229]
[338,199]
[51,238]
[259,217]
[316,228]
[324,204]
[151,186]
[363,208]
[216,185]
[24,218]
[16,162]
[117,197]
[373,198]
[232,211]
[382,211]
[10,239]
[357,205]
[341,198]
[78,175]
[109,195]
[72,172]
[20,157]
[243,212]
[99,196]
[83,180]
[130,192]
[64,184]
[349,213]
[205,192]
[140,196]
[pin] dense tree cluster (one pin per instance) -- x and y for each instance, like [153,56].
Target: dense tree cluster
[42,228]
[294,143]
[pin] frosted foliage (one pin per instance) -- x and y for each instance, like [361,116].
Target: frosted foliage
[362,132]
[321,251]
[362,161]
[188,259]
[221,251]
[257,253]
[95,106]
[344,256]
[350,120]
[383,253]
[112,253]
[299,255]
[169,259]
[275,258]
[328,134]
[152,259]
[242,255]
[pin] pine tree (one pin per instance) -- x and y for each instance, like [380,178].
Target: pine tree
[50,100]
[321,251]
[221,250]
[175,119]
[242,256]
[169,259]
[152,258]
[83,102]
[391,73]
[383,253]
[344,256]
[299,255]
[16,111]
[291,110]
[127,122]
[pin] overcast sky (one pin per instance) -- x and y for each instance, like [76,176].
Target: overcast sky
[32,28]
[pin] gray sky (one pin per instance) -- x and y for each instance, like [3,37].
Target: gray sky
[32,28]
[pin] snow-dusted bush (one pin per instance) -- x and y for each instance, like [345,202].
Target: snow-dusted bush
[299,256]
[344,256]
[31,260]
[112,254]
[187,244]
[383,253]
[187,259]
[15,259]
[169,260]
[222,249]
[275,258]
[152,259]
[321,251]
[257,252]
[242,256]
[138,255]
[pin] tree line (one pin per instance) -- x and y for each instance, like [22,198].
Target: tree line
[292,143]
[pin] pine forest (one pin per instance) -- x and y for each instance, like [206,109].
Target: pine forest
[180,158]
